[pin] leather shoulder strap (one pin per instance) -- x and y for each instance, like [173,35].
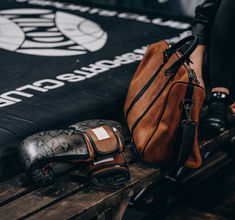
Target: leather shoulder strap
[186,132]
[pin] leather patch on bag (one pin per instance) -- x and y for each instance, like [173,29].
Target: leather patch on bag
[103,139]
[100,133]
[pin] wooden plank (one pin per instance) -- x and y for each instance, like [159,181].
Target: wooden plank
[91,200]
[13,188]
[40,198]
[185,184]
[210,167]
[101,216]
[120,209]
[212,199]
[217,141]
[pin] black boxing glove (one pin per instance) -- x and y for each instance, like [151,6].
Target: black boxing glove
[109,170]
[40,150]
[81,142]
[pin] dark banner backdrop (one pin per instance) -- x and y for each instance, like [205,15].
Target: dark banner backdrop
[62,62]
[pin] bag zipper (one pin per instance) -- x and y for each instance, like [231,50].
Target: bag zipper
[146,86]
[191,76]
[165,59]
[191,73]
[148,108]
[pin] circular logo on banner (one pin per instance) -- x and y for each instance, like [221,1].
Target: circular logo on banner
[47,33]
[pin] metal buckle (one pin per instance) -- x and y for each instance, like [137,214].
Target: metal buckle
[188,104]
[165,56]
[189,121]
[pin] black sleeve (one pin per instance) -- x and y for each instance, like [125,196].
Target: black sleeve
[204,18]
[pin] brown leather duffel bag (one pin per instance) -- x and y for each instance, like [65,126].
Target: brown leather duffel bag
[162,106]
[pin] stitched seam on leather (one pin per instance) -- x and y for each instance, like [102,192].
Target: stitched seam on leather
[89,146]
[146,86]
[149,107]
[101,152]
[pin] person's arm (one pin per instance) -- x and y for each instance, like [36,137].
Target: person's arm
[204,18]
[202,24]
[197,62]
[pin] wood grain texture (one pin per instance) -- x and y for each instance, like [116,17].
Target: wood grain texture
[42,196]
[72,196]
[15,188]
[93,200]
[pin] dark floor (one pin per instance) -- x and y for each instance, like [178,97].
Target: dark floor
[213,199]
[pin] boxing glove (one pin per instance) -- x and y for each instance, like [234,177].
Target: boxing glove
[109,170]
[86,141]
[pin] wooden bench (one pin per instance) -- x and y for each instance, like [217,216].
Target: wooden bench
[73,197]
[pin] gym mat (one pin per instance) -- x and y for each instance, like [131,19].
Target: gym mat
[62,62]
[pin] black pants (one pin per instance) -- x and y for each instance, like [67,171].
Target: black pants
[222,48]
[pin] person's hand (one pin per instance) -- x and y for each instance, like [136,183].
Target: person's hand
[197,61]
[232,109]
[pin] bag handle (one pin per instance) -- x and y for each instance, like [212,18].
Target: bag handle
[168,52]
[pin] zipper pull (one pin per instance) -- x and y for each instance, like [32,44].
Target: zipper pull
[165,57]
[188,107]
[166,54]
[192,75]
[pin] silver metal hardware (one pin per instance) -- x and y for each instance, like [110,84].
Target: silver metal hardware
[188,106]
